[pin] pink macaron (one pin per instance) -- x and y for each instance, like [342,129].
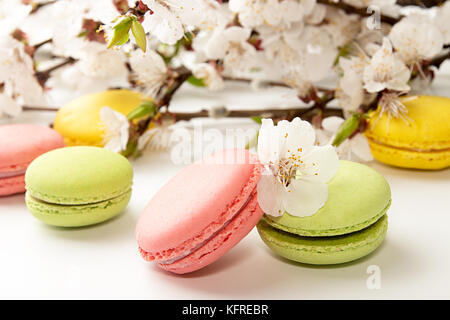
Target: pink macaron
[19,145]
[202,212]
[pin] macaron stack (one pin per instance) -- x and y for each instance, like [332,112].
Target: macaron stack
[19,145]
[78,186]
[201,213]
[86,110]
[420,141]
[350,225]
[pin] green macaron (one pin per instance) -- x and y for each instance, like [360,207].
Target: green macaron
[350,225]
[78,186]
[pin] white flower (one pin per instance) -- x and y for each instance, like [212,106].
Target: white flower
[156,139]
[209,75]
[386,71]
[12,14]
[149,71]
[273,13]
[387,7]
[9,106]
[98,61]
[355,148]
[231,45]
[17,73]
[295,170]
[416,38]
[254,13]
[170,19]
[116,129]
[313,60]
[443,21]
[351,91]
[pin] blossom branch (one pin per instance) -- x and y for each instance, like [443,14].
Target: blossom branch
[288,114]
[43,76]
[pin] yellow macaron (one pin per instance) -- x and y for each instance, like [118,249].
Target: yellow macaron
[79,120]
[421,142]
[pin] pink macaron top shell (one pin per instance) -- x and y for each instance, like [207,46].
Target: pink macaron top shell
[196,203]
[22,143]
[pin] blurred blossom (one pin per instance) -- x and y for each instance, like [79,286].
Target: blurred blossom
[149,71]
[209,75]
[386,71]
[416,38]
[97,61]
[443,21]
[231,45]
[156,139]
[354,149]
[116,127]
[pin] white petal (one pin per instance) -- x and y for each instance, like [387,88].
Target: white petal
[360,147]
[305,197]
[9,106]
[237,34]
[332,124]
[321,164]
[297,137]
[270,195]
[268,142]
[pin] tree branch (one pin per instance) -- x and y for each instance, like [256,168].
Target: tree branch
[289,113]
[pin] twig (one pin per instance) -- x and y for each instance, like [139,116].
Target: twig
[437,61]
[43,76]
[40,44]
[38,6]
[289,113]
[37,108]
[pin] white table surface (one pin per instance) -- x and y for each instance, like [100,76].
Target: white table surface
[102,261]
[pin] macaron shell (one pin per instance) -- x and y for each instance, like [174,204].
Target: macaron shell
[428,127]
[78,175]
[218,246]
[410,159]
[12,185]
[77,216]
[196,203]
[357,197]
[79,121]
[22,143]
[326,250]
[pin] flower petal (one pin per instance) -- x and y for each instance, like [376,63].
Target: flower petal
[320,165]
[360,147]
[297,137]
[270,195]
[332,124]
[268,142]
[305,197]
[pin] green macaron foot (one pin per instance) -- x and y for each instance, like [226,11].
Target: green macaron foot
[77,215]
[324,250]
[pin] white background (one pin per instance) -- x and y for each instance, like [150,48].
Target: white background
[102,261]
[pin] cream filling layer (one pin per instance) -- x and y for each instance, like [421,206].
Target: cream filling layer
[200,245]
[408,149]
[77,205]
[12,173]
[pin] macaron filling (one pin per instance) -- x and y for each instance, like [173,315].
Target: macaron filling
[31,196]
[202,244]
[14,173]
[405,148]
